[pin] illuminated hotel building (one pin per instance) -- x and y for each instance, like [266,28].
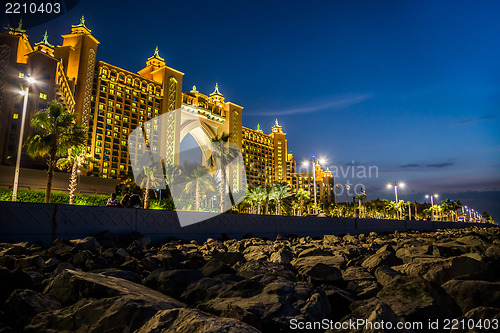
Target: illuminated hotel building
[325,185]
[265,155]
[111,102]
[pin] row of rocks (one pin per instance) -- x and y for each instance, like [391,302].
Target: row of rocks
[109,284]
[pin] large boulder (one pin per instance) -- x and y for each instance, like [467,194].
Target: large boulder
[384,256]
[215,267]
[71,286]
[441,270]
[192,320]
[88,243]
[115,314]
[260,267]
[274,305]
[208,288]
[412,298]
[470,294]
[282,256]
[23,304]
[172,282]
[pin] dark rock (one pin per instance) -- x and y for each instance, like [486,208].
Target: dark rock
[441,270]
[412,298]
[282,256]
[471,294]
[107,239]
[115,314]
[482,313]
[60,248]
[127,239]
[208,288]
[61,267]
[118,273]
[215,267]
[385,275]
[339,299]
[192,320]
[313,251]
[71,286]
[355,273]
[11,280]
[384,256]
[172,282]
[320,273]
[88,243]
[23,304]
[280,301]
[229,258]
[254,268]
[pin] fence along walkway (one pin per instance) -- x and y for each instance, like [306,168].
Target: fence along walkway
[32,222]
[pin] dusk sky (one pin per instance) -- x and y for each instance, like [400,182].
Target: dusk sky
[411,87]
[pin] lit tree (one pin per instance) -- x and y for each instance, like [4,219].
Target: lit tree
[302,195]
[280,192]
[199,183]
[221,156]
[149,181]
[54,132]
[76,160]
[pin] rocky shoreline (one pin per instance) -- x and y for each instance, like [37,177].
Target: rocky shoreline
[106,284]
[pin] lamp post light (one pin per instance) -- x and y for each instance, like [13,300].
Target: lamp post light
[25,93]
[432,202]
[314,164]
[396,184]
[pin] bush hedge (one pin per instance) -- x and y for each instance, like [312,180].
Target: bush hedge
[80,199]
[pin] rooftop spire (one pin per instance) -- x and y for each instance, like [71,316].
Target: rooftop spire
[216,91]
[258,127]
[276,122]
[81,24]
[156,55]
[19,27]
[45,41]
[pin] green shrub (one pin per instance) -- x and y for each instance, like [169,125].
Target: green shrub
[165,204]
[80,199]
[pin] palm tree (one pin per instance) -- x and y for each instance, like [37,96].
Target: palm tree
[301,196]
[149,181]
[391,208]
[76,160]
[54,131]
[280,192]
[221,156]
[198,182]
[253,196]
[450,207]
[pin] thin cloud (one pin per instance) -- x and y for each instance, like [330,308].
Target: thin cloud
[476,119]
[338,103]
[440,165]
[413,165]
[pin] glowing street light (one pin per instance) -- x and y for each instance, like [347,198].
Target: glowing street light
[314,164]
[25,93]
[396,184]
[432,196]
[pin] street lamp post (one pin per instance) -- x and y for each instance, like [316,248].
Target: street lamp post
[396,190]
[432,202]
[314,164]
[25,93]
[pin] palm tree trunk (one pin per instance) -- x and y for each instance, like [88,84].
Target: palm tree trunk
[73,183]
[197,196]
[146,195]
[50,173]
[222,188]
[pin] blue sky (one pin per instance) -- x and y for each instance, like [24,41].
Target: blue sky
[412,87]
